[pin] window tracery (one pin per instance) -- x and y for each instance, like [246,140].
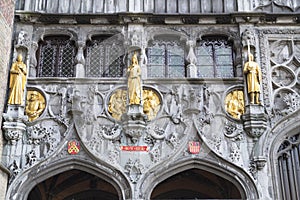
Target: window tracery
[104,57]
[56,57]
[166,59]
[289,167]
[214,58]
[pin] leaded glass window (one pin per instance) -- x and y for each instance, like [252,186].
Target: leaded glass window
[288,165]
[165,59]
[104,57]
[56,57]
[214,58]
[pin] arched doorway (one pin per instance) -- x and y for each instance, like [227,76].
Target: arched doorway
[196,184]
[71,185]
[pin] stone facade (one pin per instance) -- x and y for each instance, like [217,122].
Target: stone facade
[6,25]
[135,151]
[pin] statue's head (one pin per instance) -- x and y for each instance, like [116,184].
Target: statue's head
[19,57]
[251,57]
[34,95]
[134,59]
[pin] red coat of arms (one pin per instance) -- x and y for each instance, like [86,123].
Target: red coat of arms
[73,147]
[194,147]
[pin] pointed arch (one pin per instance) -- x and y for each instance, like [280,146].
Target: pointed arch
[20,188]
[241,180]
[282,144]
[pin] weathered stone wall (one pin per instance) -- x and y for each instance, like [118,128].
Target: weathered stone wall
[6,24]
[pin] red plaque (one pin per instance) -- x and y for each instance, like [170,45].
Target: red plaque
[73,147]
[134,148]
[194,147]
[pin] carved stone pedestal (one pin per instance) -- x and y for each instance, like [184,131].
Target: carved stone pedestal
[260,162]
[14,113]
[14,128]
[13,124]
[255,121]
[134,122]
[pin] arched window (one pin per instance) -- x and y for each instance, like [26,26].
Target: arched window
[214,58]
[56,57]
[166,58]
[104,57]
[288,165]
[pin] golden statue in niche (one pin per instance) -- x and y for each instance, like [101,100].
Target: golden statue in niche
[253,76]
[117,103]
[35,104]
[134,82]
[234,104]
[17,82]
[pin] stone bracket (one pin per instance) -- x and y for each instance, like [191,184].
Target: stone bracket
[255,121]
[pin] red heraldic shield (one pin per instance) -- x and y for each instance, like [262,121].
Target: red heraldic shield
[194,147]
[73,147]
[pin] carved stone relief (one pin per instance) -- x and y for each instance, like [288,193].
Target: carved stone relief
[276,5]
[285,67]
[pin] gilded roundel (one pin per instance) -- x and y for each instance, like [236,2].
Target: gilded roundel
[234,104]
[151,103]
[35,104]
[117,103]
[118,100]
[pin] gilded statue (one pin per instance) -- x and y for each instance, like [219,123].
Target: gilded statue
[117,104]
[253,76]
[35,105]
[17,82]
[234,104]
[134,82]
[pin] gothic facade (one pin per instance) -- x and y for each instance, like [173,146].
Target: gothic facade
[212,111]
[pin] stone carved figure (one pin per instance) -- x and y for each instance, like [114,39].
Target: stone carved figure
[35,105]
[134,82]
[22,38]
[253,77]
[17,82]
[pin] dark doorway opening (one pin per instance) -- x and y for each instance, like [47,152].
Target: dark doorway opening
[196,184]
[73,185]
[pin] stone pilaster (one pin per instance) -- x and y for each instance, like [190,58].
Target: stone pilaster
[191,59]
[255,124]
